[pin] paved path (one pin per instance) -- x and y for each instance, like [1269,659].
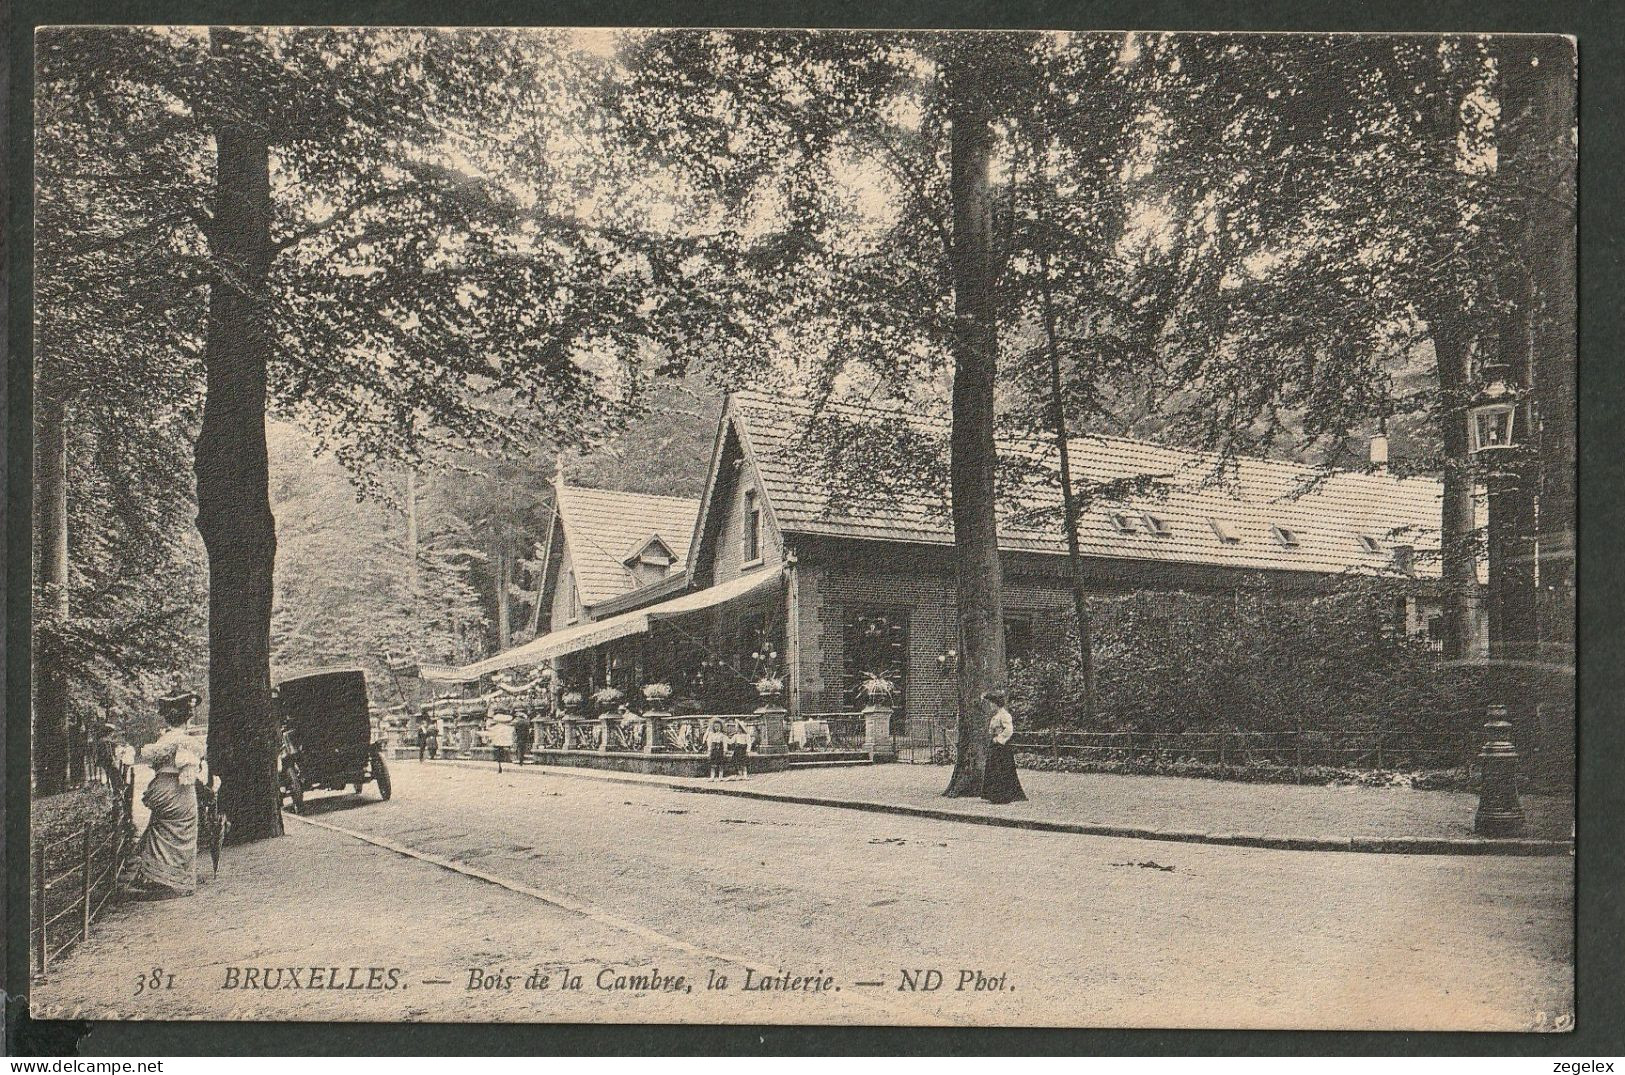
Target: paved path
[1332,817]
[1083,930]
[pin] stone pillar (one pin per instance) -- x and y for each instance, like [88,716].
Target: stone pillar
[1499,812]
[606,728]
[877,728]
[775,737]
[651,730]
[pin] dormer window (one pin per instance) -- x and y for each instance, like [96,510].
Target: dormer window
[752,544]
[1285,535]
[1124,522]
[1405,559]
[1369,543]
[652,561]
[1156,524]
[1225,531]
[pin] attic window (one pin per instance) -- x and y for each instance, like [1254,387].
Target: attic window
[1225,531]
[752,550]
[1369,543]
[1156,524]
[1124,522]
[1285,535]
[1405,558]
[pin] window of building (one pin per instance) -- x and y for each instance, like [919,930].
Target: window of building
[1018,638]
[1369,542]
[1405,558]
[1124,522]
[875,642]
[1287,536]
[1156,524]
[1225,531]
[753,527]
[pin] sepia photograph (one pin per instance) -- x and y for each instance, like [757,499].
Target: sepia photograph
[803,527]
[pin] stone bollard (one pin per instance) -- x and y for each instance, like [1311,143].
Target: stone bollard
[1499,813]
[651,730]
[775,736]
[877,728]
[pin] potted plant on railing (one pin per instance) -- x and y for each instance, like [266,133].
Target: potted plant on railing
[770,688]
[658,699]
[606,700]
[570,703]
[774,735]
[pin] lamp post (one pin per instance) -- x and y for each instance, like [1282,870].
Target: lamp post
[1497,420]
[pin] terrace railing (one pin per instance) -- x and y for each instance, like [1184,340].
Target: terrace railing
[831,732]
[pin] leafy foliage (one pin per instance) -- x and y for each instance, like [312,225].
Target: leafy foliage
[1260,659]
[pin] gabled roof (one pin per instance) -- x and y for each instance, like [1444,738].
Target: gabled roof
[787,440]
[605,528]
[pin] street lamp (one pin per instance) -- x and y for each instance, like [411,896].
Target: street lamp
[1490,418]
[1491,431]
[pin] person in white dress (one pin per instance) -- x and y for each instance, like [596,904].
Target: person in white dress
[166,859]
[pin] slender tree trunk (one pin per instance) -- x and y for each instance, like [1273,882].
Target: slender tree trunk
[51,746]
[1458,521]
[973,456]
[412,535]
[233,491]
[1069,500]
[503,562]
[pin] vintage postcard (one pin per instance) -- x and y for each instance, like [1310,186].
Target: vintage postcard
[804,527]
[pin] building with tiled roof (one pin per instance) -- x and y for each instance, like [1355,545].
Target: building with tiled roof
[608,547]
[1192,508]
[821,550]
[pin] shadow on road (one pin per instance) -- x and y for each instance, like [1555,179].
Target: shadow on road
[337,802]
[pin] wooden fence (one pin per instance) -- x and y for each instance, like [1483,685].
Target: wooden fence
[75,875]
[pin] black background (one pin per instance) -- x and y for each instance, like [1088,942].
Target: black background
[1600,942]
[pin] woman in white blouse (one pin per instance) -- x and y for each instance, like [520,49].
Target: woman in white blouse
[999,781]
[166,860]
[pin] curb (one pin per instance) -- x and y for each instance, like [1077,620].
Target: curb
[1375,845]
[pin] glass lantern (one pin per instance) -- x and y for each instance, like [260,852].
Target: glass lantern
[1491,417]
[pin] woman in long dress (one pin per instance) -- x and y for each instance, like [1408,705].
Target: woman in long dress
[166,859]
[999,781]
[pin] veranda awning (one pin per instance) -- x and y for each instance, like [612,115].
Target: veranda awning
[586,635]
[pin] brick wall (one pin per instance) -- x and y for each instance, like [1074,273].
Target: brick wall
[563,590]
[831,592]
[730,501]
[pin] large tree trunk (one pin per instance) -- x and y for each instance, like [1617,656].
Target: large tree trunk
[1538,88]
[233,491]
[973,457]
[51,747]
[1535,153]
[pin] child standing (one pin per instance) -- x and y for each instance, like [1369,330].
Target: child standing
[739,744]
[716,748]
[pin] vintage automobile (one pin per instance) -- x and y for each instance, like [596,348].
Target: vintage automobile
[327,737]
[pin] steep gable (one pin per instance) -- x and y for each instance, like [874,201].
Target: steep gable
[606,531]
